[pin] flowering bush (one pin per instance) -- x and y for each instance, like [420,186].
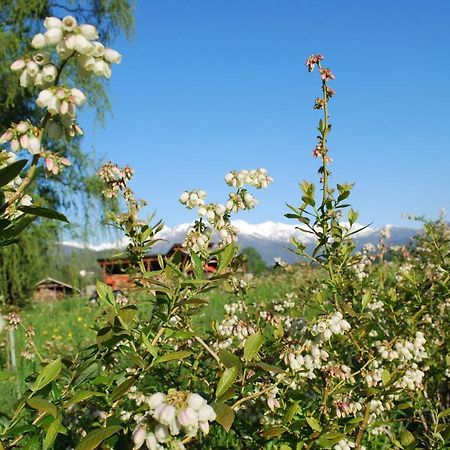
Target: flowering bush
[352,355]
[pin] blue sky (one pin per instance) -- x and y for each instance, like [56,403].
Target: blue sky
[208,86]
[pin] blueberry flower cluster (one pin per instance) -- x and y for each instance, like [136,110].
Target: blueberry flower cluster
[334,324]
[257,178]
[80,41]
[217,215]
[304,359]
[174,413]
[115,178]
[37,70]
[61,100]
[22,136]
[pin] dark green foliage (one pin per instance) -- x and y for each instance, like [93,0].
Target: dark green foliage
[254,261]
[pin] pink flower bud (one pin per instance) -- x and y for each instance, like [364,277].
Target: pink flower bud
[22,127]
[138,436]
[18,65]
[5,137]
[23,141]
[49,164]
[34,145]
[187,417]
[79,97]
[65,161]
[15,145]
[61,93]
[64,107]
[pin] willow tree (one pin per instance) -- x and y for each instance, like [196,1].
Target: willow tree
[74,189]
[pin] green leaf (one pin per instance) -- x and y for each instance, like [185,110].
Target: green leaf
[229,359]
[352,216]
[197,266]
[96,437]
[367,298]
[11,171]
[226,380]
[268,367]
[226,256]
[444,413]
[52,432]
[104,292]
[42,405]
[385,377]
[122,389]
[313,423]
[47,375]
[33,444]
[81,396]
[182,354]
[407,438]
[5,376]
[252,345]
[128,314]
[225,415]
[327,440]
[274,432]
[152,349]
[291,412]
[43,212]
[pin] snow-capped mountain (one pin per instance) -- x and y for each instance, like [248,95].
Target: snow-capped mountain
[271,239]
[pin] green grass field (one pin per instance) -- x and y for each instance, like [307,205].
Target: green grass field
[64,327]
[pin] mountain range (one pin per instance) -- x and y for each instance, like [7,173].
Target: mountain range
[270,239]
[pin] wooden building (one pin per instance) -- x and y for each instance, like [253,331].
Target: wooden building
[115,270]
[50,289]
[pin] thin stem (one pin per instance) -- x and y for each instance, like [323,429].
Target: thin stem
[208,349]
[363,425]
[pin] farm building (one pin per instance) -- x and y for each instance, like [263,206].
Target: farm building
[115,270]
[50,289]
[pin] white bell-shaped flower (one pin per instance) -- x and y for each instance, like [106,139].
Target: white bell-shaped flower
[112,56]
[82,45]
[69,23]
[53,36]
[38,41]
[52,22]
[49,73]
